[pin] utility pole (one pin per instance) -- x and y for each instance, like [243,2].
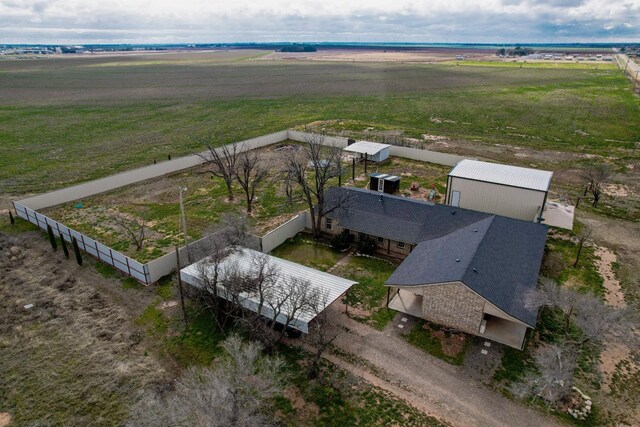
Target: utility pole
[183,220]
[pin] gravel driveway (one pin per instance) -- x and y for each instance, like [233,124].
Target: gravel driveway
[431,385]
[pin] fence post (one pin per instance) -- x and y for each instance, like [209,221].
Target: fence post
[184,310]
[76,250]
[52,238]
[64,247]
[11,220]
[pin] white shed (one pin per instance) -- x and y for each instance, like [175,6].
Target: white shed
[243,261]
[373,151]
[506,190]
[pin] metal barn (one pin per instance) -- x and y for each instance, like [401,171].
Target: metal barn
[506,190]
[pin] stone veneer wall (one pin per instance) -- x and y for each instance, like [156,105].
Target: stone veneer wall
[453,305]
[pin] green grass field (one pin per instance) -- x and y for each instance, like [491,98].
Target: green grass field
[64,121]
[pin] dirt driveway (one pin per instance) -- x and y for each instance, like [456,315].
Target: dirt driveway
[427,383]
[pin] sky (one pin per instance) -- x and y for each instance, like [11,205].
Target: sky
[215,21]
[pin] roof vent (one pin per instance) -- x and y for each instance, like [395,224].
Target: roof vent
[380,197]
[475,270]
[453,212]
[457,259]
[475,231]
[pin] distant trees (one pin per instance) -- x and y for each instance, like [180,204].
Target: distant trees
[298,48]
[517,51]
[595,176]
[236,392]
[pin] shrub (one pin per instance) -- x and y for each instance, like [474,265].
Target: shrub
[342,241]
[367,245]
[553,265]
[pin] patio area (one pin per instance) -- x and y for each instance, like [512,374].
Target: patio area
[407,302]
[504,332]
[557,214]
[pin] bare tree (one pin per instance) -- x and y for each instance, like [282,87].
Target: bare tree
[582,238]
[595,319]
[553,380]
[322,333]
[312,168]
[222,163]
[134,228]
[250,172]
[595,176]
[237,392]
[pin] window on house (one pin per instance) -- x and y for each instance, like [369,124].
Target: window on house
[401,244]
[328,223]
[380,239]
[362,236]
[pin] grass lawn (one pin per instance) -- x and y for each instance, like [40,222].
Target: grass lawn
[303,250]
[368,297]
[156,202]
[585,277]
[437,341]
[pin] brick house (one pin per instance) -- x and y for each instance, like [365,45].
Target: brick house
[463,269]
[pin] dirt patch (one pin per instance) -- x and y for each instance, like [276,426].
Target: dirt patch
[452,345]
[613,295]
[67,330]
[5,419]
[612,355]
[305,410]
[617,190]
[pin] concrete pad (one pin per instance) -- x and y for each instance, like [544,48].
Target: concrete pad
[404,319]
[487,344]
[557,214]
[400,326]
[483,351]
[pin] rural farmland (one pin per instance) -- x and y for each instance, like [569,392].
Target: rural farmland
[68,120]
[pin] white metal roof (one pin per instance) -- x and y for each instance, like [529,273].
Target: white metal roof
[366,147]
[513,176]
[243,261]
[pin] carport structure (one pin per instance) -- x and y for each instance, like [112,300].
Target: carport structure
[243,261]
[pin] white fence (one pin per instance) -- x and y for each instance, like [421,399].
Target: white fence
[279,235]
[154,270]
[395,150]
[102,252]
[133,176]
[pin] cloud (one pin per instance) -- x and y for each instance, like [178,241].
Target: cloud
[165,21]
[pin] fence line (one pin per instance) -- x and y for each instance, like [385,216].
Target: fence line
[91,246]
[152,271]
[134,176]
[395,150]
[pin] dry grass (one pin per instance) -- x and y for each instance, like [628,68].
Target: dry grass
[74,358]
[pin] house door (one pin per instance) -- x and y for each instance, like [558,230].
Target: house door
[380,184]
[455,199]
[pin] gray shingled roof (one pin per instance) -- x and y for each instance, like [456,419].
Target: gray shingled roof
[497,257]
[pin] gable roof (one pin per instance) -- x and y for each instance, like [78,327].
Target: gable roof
[513,176]
[412,221]
[497,257]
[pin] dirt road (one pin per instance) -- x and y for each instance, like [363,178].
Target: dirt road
[427,383]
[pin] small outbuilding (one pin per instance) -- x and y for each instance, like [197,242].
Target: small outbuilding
[372,151]
[384,183]
[244,261]
[506,190]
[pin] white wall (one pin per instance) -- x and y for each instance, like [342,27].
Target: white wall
[123,179]
[289,229]
[519,203]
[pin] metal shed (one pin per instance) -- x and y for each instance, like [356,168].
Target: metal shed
[243,261]
[506,190]
[383,182]
[372,151]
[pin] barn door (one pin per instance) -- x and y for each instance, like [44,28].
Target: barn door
[455,199]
